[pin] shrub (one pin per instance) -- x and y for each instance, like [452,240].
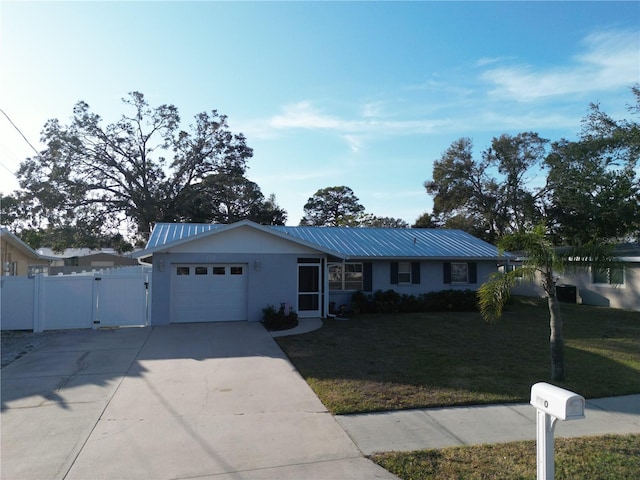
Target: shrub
[392,302]
[282,319]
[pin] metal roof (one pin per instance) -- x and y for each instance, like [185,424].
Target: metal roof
[164,233]
[352,242]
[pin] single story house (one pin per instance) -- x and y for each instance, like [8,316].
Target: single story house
[20,259]
[213,272]
[616,288]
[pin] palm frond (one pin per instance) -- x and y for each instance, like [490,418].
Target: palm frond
[494,294]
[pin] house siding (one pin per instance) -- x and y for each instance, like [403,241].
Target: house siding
[431,277]
[10,253]
[277,249]
[626,296]
[275,281]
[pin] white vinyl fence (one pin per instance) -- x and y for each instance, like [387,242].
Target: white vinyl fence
[74,301]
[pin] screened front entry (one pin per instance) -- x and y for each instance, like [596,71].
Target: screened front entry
[309,288]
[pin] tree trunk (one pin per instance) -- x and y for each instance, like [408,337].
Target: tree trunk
[556,340]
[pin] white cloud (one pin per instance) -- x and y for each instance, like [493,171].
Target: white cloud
[372,109]
[484,61]
[354,131]
[610,60]
[354,142]
[303,115]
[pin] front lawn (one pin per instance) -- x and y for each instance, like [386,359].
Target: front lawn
[611,457]
[388,362]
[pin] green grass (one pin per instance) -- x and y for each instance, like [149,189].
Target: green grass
[389,362]
[611,457]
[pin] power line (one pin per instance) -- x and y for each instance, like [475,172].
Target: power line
[7,169]
[18,130]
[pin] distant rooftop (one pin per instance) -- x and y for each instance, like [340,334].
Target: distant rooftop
[75,252]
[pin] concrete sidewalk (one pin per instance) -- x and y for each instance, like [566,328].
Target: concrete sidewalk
[447,427]
[191,401]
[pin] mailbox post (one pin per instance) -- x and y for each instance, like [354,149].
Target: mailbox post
[552,404]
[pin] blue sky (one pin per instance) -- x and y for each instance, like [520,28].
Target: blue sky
[362,94]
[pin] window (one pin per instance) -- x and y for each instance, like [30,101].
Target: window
[459,273]
[345,276]
[37,269]
[219,270]
[10,268]
[201,270]
[609,276]
[404,272]
[182,270]
[236,270]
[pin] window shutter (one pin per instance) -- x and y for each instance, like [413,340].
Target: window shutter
[415,273]
[367,277]
[473,272]
[394,273]
[446,271]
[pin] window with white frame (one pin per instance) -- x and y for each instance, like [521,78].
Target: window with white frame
[404,272]
[345,276]
[608,276]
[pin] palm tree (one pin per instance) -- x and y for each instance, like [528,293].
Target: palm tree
[542,261]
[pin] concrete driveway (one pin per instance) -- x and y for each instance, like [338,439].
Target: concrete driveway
[184,401]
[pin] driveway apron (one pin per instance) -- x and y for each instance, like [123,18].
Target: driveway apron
[218,400]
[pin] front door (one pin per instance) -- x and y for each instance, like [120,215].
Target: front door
[309,298]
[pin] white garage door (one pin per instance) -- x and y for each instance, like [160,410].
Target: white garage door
[208,292]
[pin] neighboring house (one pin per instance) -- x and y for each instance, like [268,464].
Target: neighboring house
[77,260]
[18,258]
[615,288]
[212,272]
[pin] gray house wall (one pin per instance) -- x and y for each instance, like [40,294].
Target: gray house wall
[625,296]
[431,279]
[272,268]
[275,281]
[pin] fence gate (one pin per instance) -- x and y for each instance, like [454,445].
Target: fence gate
[73,301]
[121,300]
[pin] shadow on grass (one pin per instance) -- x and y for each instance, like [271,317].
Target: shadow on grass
[387,362]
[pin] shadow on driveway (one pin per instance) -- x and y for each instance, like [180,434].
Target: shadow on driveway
[179,401]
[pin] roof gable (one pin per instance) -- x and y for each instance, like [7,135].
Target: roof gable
[171,235]
[17,243]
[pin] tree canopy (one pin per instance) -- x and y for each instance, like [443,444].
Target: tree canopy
[332,206]
[339,207]
[581,190]
[488,196]
[140,170]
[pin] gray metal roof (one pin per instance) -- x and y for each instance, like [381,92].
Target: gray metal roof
[164,233]
[353,242]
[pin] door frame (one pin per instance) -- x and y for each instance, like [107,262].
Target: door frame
[319,292]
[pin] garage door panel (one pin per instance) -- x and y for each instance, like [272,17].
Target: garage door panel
[208,293]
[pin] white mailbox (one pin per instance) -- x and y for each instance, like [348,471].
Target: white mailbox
[552,404]
[557,402]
